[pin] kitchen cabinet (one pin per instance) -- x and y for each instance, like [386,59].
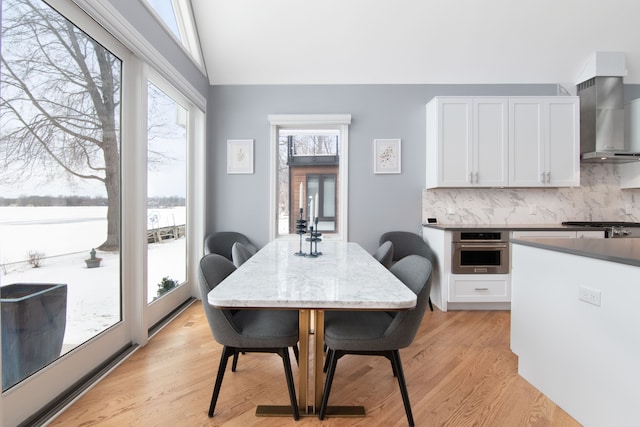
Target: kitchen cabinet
[503,141]
[567,234]
[479,288]
[544,141]
[467,142]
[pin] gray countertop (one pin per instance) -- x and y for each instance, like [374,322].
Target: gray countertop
[622,251]
[511,227]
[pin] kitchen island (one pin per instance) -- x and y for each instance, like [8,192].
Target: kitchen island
[575,324]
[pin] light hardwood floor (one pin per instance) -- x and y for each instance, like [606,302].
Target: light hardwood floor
[460,372]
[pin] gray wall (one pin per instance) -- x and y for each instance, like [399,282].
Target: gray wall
[377,203]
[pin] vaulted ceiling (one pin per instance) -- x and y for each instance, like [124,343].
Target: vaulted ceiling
[412,41]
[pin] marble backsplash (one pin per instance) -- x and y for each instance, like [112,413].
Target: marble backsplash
[599,197]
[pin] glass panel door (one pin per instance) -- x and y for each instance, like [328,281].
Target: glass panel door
[166,194]
[60,185]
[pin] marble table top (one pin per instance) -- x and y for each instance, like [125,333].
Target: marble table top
[344,277]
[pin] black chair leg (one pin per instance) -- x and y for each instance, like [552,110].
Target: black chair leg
[296,353]
[430,305]
[388,355]
[326,360]
[395,360]
[333,361]
[227,352]
[234,364]
[284,353]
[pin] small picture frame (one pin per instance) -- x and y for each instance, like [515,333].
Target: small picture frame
[387,156]
[240,156]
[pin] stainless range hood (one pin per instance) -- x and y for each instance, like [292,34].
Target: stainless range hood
[602,117]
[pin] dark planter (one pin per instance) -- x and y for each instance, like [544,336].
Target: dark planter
[34,317]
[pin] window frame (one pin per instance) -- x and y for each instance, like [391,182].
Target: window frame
[139,60]
[336,121]
[190,42]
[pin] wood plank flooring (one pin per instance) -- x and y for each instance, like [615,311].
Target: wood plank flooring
[460,372]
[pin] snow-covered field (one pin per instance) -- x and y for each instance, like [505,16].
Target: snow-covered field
[66,235]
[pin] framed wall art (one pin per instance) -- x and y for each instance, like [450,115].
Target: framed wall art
[240,156]
[387,156]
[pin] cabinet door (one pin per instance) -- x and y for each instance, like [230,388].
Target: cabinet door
[563,141]
[544,141]
[479,288]
[490,137]
[449,142]
[526,143]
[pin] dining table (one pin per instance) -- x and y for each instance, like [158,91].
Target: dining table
[344,277]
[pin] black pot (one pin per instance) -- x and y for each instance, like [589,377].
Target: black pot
[34,317]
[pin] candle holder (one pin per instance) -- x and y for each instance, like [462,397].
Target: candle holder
[315,238]
[301,229]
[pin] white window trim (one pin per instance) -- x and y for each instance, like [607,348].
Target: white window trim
[186,27]
[341,122]
[113,21]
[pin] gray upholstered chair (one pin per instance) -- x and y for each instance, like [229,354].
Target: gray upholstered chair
[407,243]
[221,243]
[384,254]
[240,253]
[250,331]
[378,333]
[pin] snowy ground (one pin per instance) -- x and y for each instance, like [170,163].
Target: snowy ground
[93,294]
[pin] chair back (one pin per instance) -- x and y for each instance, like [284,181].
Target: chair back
[406,243]
[221,243]
[240,253]
[384,254]
[414,271]
[214,268]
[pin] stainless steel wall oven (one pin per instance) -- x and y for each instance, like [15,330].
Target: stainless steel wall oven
[480,252]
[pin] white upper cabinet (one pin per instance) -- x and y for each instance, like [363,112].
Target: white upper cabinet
[467,142]
[544,141]
[503,141]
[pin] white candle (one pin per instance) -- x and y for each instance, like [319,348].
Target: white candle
[317,206]
[300,198]
[310,209]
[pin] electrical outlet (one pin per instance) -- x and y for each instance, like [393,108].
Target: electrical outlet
[451,211]
[590,295]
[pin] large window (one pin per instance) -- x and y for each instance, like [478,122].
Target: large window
[166,193]
[85,182]
[177,16]
[60,185]
[309,155]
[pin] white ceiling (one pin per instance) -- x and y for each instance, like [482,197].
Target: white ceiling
[412,41]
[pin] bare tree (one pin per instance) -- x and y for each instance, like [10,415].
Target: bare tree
[60,104]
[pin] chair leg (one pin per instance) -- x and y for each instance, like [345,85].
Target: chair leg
[395,360]
[430,305]
[388,355]
[284,353]
[296,353]
[333,361]
[326,360]
[227,352]
[234,364]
